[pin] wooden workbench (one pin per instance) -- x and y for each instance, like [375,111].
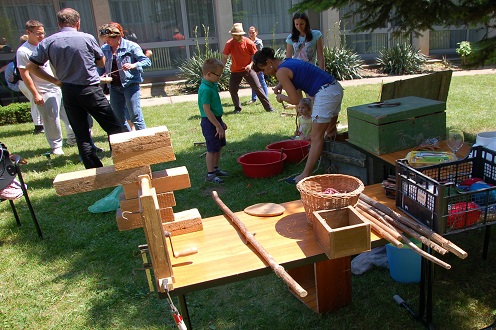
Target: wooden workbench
[223,257]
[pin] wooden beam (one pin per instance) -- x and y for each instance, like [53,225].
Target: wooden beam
[145,139]
[163,181]
[152,225]
[143,157]
[133,220]
[132,205]
[184,222]
[96,178]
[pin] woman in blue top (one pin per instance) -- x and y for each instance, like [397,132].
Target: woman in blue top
[304,43]
[295,76]
[124,61]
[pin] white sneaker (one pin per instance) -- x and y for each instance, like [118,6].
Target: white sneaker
[70,142]
[57,151]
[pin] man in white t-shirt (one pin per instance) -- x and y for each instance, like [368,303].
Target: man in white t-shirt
[44,95]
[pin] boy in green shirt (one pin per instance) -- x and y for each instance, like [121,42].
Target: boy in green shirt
[213,128]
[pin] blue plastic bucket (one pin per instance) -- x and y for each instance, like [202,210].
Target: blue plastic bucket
[404,264]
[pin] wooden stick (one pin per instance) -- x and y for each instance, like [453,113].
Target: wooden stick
[424,254]
[427,232]
[384,234]
[374,218]
[278,269]
[377,213]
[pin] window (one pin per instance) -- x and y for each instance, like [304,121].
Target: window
[271,18]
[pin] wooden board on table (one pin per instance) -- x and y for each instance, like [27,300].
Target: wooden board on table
[265,210]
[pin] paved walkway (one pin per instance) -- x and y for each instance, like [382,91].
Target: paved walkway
[247,91]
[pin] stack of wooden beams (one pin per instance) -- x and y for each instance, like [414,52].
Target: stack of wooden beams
[132,155]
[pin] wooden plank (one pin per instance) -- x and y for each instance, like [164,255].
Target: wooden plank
[163,181]
[145,139]
[184,222]
[96,178]
[143,157]
[166,199]
[152,225]
[128,221]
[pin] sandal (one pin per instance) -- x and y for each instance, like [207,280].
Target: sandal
[291,180]
[213,179]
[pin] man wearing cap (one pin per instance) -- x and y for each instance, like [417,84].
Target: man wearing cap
[75,56]
[241,50]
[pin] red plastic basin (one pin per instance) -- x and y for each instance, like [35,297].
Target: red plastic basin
[295,149]
[262,164]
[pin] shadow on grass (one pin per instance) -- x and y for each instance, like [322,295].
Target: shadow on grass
[85,265]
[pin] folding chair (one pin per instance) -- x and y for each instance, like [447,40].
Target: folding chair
[8,172]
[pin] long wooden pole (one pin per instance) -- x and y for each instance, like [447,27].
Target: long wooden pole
[278,269]
[379,214]
[384,234]
[427,232]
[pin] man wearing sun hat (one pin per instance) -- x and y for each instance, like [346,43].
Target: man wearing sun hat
[241,51]
[75,56]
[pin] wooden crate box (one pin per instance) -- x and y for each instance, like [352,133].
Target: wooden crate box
[382,129]
[341,232]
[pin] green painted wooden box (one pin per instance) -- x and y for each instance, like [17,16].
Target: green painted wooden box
[382,129]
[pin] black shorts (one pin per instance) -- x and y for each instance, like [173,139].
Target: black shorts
[214,144]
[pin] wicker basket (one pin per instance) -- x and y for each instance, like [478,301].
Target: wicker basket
[314,199]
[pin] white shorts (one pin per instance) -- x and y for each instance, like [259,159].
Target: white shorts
[327,103]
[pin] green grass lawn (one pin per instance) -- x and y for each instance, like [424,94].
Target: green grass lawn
[84,275]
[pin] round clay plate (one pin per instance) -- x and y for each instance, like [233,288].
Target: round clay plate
[265,210]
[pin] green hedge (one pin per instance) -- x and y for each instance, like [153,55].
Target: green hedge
[15,113]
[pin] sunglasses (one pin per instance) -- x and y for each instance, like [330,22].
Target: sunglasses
[104,32]
[38,34]
[215,74]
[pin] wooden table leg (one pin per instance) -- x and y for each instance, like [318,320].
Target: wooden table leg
[327,282]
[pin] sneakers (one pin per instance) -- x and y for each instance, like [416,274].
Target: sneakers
[57,151]
[70,142]
[213,179]
[237,111]
[251,102]
[99,152]
[38,129]
[271,110]
[221,173]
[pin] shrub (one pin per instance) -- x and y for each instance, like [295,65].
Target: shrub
[191,69]
[15,113]
[342,63]
[464,50]
[401,59]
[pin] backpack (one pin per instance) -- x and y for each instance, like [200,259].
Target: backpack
[7,170]
[17,76]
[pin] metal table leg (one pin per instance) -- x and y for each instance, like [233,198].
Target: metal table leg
[424,314]
[183,307]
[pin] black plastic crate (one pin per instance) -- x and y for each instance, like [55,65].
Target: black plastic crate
[434,195]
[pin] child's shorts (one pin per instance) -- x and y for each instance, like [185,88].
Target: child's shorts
[214,144]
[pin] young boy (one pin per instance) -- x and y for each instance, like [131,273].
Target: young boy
[213,128]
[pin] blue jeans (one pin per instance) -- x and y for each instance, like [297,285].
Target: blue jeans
[261,78]
[126,104]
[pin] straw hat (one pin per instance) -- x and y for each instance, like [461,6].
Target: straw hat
[237,29]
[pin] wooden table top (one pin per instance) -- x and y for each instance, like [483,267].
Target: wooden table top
[223,257]
[392,157]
